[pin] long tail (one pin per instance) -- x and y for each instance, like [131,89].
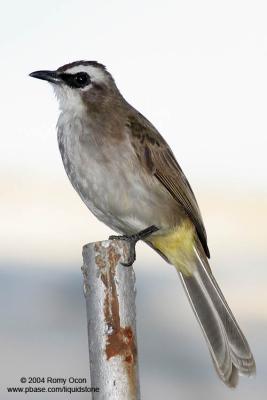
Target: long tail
[228,346]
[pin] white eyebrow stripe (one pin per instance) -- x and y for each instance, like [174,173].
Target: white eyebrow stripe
[96,73]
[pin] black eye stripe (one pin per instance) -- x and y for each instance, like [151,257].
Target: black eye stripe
[79,80]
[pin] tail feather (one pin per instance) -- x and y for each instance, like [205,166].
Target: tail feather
[229,349]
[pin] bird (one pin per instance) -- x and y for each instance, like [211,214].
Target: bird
[128,177]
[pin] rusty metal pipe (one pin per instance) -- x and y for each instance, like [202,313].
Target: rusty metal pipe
[109,289]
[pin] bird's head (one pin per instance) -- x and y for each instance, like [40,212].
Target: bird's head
[79,84]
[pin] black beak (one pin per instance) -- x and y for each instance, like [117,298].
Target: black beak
[50,76]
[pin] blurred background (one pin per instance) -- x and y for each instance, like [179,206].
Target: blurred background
[197,70]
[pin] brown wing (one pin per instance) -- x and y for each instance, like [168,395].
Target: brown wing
[152,149]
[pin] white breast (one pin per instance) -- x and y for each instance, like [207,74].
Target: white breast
[105,176]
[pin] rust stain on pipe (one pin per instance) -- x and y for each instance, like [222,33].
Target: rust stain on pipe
[120,341]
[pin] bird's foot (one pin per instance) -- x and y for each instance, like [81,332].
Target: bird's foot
[133,239]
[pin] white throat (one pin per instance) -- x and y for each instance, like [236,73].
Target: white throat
[68,99]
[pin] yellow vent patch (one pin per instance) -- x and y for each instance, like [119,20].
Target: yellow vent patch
[178,246]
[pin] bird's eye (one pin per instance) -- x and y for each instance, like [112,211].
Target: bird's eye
[75,81]
[81,79]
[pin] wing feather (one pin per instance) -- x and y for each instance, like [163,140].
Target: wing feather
[157,157]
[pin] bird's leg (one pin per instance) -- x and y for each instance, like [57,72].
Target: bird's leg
[133,239]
